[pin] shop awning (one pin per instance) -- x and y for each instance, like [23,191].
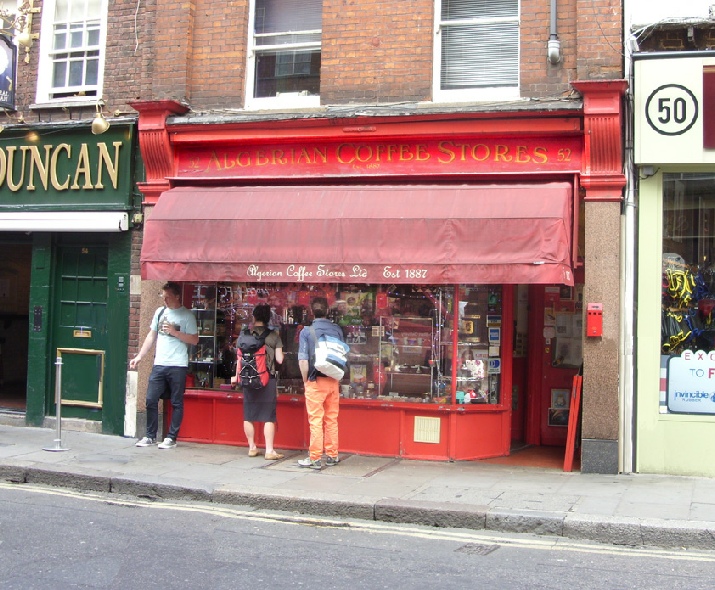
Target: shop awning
[366,234]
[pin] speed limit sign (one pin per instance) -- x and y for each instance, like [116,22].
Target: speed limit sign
[671,109]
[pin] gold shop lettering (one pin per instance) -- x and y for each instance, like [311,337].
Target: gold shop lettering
[348,153]
[367,155]
[451,151]
[30,166]
[266,157]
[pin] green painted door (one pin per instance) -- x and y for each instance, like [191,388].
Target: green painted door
[88,307]
[80,328]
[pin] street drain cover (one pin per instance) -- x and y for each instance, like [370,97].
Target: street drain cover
[475,549]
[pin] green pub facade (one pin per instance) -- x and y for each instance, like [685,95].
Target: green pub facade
[68,210]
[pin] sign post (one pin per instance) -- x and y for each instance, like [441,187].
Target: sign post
[58,408]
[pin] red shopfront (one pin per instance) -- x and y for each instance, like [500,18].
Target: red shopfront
[428,238]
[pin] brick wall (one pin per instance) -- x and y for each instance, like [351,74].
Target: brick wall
[372,52]
[375,51]
[173,33]
[599,34]
[134,343]
[539,78]
[218,57]
[677,38]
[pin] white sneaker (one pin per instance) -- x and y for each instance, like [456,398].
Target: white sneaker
[146,442]
[169,443]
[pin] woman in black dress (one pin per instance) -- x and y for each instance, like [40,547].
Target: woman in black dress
[259,405]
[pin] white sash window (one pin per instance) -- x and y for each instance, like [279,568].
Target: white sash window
[476,50]
[73,39]
[284,53]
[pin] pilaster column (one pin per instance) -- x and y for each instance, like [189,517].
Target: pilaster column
[602,181]
[155,145]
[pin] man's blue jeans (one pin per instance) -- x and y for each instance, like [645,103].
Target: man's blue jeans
[173,381]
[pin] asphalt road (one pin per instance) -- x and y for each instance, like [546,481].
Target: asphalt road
[55,539]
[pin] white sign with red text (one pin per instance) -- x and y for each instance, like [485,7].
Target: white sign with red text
[691,383]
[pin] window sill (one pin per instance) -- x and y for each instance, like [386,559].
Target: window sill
[476,95]
[84,102]
[283,102]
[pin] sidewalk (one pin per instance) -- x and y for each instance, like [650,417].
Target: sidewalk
[636,510]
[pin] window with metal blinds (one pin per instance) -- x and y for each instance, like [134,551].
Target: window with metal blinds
[480,43]
[286,22]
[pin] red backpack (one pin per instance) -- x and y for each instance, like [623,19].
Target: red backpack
[252,366]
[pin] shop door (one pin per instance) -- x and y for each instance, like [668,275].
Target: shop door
[80,330]
[14,324]
[520,363]
[555,355]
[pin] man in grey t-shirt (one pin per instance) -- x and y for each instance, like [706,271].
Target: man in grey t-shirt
[173,329]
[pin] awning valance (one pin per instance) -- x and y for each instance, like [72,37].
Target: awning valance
[366,234]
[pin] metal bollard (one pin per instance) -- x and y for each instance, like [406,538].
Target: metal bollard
[58,408]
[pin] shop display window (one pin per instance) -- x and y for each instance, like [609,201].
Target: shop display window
[401,338]
[478,349]
[688,287]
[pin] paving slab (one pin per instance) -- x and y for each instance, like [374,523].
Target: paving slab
[631,509]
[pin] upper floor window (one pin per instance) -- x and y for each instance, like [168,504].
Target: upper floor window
[476,50]
[73,38]
[284,53]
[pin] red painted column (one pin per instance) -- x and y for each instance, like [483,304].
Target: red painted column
[155,145]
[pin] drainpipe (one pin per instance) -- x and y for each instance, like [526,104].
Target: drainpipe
[626,393]
[553,47]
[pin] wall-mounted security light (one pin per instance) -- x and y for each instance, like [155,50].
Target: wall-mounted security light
[99,124]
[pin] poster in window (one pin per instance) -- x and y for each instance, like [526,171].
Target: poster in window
[564,324]
[558,417]
[358,374]
[8,62]
[567,353]
[355,335]
[560,399]
[578,298]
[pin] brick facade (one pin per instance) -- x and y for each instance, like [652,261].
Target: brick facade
[372,53]
[376,52]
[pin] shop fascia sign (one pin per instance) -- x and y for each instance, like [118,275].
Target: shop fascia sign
[57,168]
[379,157]
[674,110]
[691,383]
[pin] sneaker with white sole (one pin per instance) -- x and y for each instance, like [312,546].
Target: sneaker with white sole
[330,461]
[169,443]
[146,442]
[308,462]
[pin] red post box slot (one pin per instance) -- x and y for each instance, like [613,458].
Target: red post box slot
[594,320]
